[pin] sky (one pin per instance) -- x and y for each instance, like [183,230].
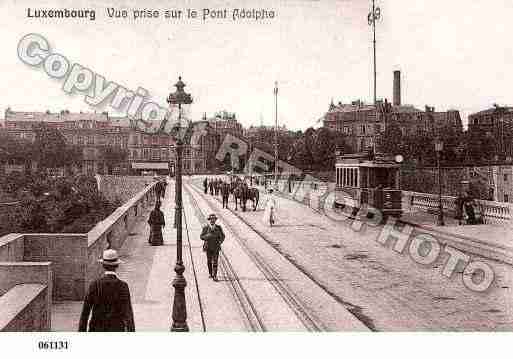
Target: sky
[452,55]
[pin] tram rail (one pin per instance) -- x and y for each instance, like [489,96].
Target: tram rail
[251,315]
[308,319]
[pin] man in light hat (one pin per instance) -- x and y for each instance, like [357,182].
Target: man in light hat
[213,236]
[109,300]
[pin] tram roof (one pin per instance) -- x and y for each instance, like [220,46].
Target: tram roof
[368,164]
[379,160]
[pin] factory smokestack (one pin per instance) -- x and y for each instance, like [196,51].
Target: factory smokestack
[397,88]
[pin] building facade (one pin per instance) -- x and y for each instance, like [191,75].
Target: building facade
[224,123]
[364,123]
[495,123]
[93,132]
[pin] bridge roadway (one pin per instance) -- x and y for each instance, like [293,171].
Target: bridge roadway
[259,290]
[305,273]
[385,290]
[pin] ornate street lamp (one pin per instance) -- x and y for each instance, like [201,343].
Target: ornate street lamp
[179,97]
[439,146]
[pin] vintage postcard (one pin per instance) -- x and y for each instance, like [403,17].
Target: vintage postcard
[340,166]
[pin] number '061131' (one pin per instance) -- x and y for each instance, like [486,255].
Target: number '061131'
[52,345]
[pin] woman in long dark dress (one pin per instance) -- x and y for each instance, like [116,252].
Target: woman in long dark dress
[156,222]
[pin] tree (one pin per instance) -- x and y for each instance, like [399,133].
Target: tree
[15,150]
[49,147]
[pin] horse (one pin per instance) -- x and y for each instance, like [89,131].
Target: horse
[240,193]
[253,194]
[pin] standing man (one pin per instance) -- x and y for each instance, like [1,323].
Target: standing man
[211,186]
[225,193]
[205,185]
[109,300]
[213,236]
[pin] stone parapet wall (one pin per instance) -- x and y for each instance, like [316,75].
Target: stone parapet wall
[113,231]
[121,188]
[64,264]
[13,304]
[24,309]
[12,247]
[68,253]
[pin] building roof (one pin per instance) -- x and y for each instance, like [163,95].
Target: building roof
[120,122]
[493,110]
[358,106]
[63,116]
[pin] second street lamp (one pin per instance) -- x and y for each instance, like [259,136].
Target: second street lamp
[439,146]
[179,97]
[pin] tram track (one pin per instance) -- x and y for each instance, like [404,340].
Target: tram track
[253,320]
[304,315]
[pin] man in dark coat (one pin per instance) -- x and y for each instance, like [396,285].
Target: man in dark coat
[109,300]
[213,236]
[225,192]
[211,187]
[205,185]
[164,186]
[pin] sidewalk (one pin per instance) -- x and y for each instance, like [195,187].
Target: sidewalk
[149,272]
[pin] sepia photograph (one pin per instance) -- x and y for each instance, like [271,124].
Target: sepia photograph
[226,168]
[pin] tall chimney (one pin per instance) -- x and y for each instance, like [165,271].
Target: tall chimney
[397,88]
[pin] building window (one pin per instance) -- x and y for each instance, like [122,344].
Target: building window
[506,198]
[506,178]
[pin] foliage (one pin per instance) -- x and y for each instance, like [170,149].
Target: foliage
[315,149]
[13,149]
[54,205]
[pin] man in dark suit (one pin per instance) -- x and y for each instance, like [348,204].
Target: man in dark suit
[109,300]
[205,185]
[225,192]
[213,236]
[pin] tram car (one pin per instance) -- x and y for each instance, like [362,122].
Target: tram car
[365,179]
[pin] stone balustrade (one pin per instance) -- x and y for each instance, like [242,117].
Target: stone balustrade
[310,192]
[491,212]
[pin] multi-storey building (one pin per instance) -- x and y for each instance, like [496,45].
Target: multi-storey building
[363,123]
[93,132]
[265,133]
[209,142]
[496,123]
[224,123]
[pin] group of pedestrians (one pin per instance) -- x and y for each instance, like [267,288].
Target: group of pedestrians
[160,189]
[217,187]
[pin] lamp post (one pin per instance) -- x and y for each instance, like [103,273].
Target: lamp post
[276,135]
[439,146]
[179,97]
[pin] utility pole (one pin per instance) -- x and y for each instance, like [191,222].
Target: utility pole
[373,16]
[276,134]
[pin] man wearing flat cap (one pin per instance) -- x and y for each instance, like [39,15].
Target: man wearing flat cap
[213,236]
[108,298]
